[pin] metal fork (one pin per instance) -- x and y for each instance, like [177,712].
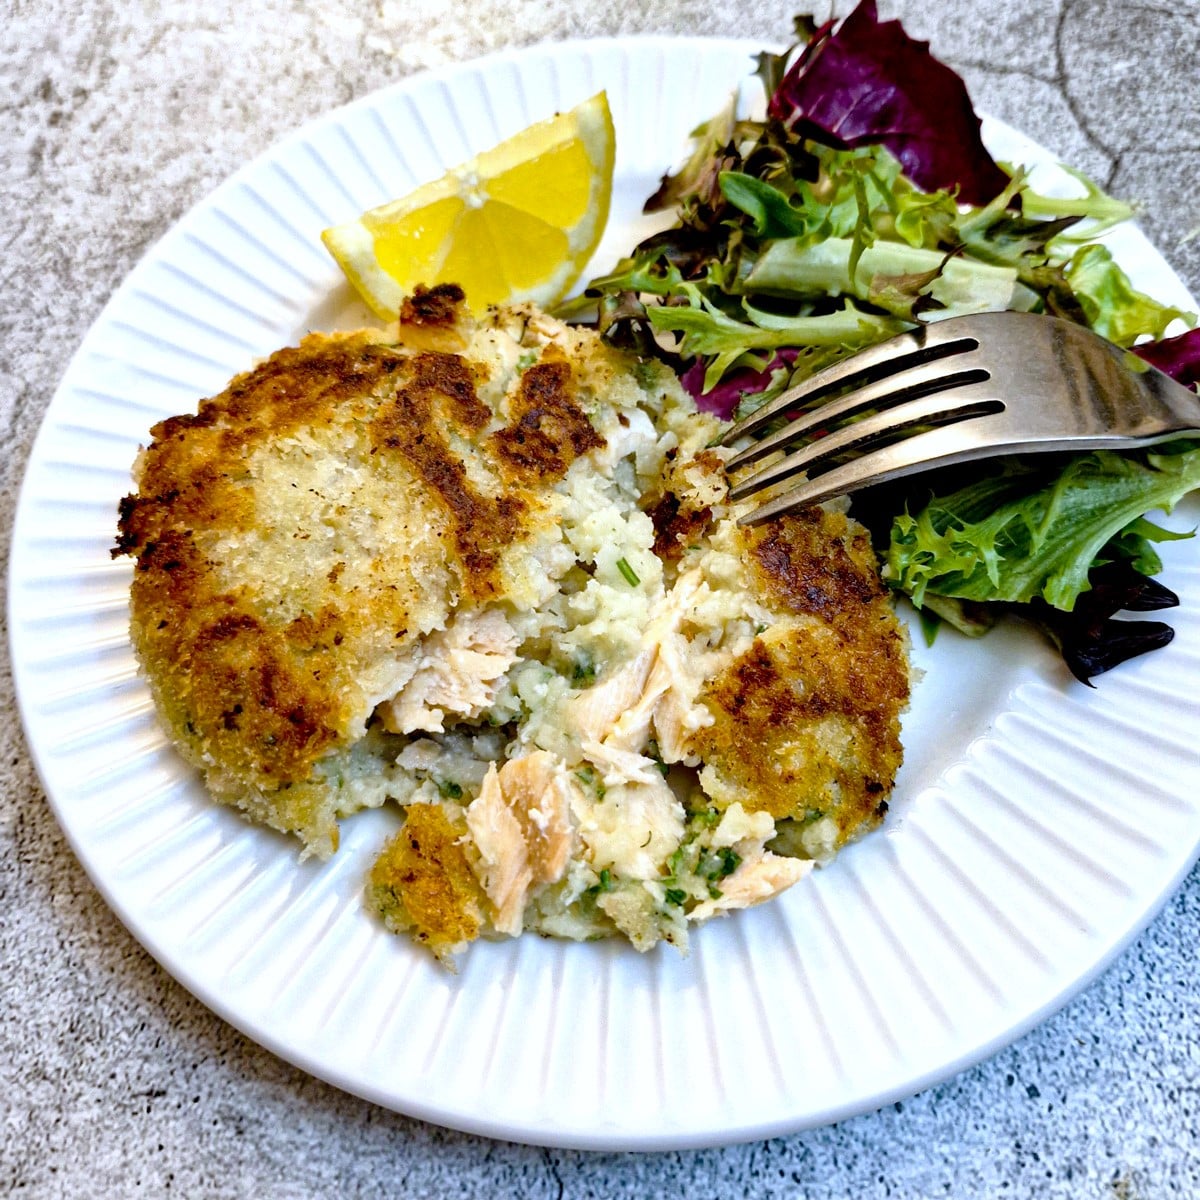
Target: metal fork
[952,391]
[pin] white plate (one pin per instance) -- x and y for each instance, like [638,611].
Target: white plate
[1037,825]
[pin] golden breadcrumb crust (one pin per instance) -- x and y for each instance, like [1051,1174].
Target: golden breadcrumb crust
[311,523]
[807,720]
[422,884]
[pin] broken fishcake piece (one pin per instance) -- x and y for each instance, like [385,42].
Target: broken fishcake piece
[487,569]
[742,729]
[821,688]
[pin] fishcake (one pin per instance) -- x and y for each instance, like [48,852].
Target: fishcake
[304,531]
[488,569]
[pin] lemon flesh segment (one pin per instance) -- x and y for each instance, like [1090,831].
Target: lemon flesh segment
[556,186]
[518,222]
[416,240]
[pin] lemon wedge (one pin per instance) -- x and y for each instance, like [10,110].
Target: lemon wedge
[517,222]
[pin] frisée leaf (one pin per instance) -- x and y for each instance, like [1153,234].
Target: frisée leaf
[1114,307]
[1027,533]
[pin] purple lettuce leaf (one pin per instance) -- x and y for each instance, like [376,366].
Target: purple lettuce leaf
[1090,640]
[1178,357]
[723,399]
[869,83]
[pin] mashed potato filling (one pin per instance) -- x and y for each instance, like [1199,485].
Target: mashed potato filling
[605,816]
[502,587]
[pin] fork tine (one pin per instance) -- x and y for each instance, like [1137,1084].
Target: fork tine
[1056,387]
[910,455]
[866,366]
[941,408]
[928,378]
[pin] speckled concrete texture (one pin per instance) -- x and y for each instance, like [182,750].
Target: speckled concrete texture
[114,1081]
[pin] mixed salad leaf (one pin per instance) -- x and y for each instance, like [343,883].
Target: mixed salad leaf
[1178,356]
[863,203]
[867,83]
[1032,531]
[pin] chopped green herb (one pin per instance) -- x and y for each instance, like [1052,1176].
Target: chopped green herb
[627,572]
[527,360]
[449,790]
[655,754]
[647,372]
[603,884]
[721,863]
[583,669]
[588,777]
[675,896]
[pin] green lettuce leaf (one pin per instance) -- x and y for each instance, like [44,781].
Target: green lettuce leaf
[722,339]
[1115,308]
[1026,533]
[954,285]
[769,209]
[1103,212]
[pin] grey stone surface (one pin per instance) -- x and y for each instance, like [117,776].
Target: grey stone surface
[114,1081]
